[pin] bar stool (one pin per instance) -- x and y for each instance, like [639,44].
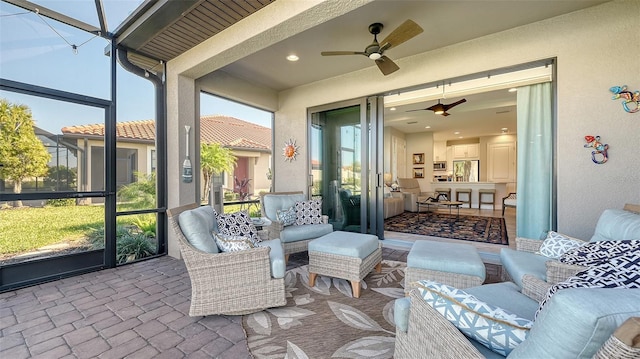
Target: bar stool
[491,192]
[445,191]
[466,191]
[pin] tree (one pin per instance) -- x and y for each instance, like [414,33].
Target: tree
[214,159]
[22,154]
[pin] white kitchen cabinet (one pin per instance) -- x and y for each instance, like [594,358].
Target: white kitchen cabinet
[501,158]
[439,151]
[466,151]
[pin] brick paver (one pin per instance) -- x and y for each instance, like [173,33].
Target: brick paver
[137,311]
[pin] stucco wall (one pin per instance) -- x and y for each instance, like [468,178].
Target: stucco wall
[593,51]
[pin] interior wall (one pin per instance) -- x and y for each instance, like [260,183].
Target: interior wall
[592,55]
[421,142]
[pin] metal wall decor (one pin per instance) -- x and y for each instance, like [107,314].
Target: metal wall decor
[290,150]
[599,154]
[630,100]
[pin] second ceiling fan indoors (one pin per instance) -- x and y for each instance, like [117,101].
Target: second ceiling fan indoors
[441,108]
[375,51]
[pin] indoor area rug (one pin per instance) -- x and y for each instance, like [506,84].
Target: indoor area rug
[470,228]
[325,321]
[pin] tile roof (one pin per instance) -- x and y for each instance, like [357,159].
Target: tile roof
[228,131]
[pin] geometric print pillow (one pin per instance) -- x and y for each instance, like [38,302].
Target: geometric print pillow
[286,216]
[621,269]
[598,252]
[238,224]
[228,243]
[557,244]
[309,212]
[491,326]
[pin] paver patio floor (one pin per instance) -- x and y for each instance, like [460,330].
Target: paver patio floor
[136,311]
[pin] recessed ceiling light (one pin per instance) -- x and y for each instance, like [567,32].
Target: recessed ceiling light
[504,129]
[427,126]
[460,137]
[456,133]
[293,57]
[513,89]
[392,109]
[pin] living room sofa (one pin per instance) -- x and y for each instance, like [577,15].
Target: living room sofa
[613,224]
[393,204]
[412,193]
[575,323]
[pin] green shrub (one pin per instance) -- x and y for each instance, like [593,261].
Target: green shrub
[61,202]
[133,246]
[147,224]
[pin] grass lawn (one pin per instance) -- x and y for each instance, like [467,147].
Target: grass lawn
[25,229]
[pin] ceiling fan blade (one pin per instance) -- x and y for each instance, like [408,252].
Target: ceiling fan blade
[386,66]
[335,53]
[446,107]
[445,114]
[402,33]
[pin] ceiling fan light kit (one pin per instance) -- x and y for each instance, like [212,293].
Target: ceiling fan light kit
[375,51]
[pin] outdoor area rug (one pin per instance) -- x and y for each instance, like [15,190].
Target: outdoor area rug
[326,321]
[470,228]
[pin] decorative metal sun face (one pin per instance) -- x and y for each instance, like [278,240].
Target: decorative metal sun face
[290,150]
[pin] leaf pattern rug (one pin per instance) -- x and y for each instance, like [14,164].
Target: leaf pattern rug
[469,228]
[325,321]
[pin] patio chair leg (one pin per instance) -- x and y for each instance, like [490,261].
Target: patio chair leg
[378,267]
[355,287]
[312,279]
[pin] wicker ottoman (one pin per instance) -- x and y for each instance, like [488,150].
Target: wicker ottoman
[454,264]
[345,255]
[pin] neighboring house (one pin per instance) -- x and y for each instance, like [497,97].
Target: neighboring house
[250,143]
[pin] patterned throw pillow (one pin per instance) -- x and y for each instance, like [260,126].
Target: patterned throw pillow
[557,244]
[493,327]
[228,243]
[309,212]
[600,251]
[608,264]
[286,216]
[238,224]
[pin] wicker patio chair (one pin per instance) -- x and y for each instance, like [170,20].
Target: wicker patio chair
[231,283]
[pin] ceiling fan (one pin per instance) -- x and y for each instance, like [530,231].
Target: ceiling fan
[441,108]
[375,51]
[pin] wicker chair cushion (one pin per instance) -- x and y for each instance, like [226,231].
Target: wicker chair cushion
[286,216]
[276,257]
[273,202]
[309,212]
[238,224]
[617,224]
[493,327]
[349,244]
[230,243]
[308,231]
[577,322]
[197,226]
[519,263]
[446,257]
[557,244]
[507,296]
[401,308]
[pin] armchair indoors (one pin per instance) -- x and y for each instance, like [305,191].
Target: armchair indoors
[231,283]
[509,201]
[410,189]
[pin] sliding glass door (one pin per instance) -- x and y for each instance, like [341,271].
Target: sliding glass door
[343,164]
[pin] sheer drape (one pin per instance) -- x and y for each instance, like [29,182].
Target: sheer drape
[535,160]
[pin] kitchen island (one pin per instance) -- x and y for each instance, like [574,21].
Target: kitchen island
[500,187]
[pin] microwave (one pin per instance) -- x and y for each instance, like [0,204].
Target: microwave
[440,166]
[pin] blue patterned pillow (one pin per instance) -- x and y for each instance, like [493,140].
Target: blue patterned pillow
[493,327]
[238,224]
[557,244]
[309,212]
[228,243]
[286,216]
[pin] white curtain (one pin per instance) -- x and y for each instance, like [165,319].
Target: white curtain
[535,161]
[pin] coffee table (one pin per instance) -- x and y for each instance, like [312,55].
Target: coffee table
[449,204]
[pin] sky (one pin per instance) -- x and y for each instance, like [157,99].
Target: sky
[37,50]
